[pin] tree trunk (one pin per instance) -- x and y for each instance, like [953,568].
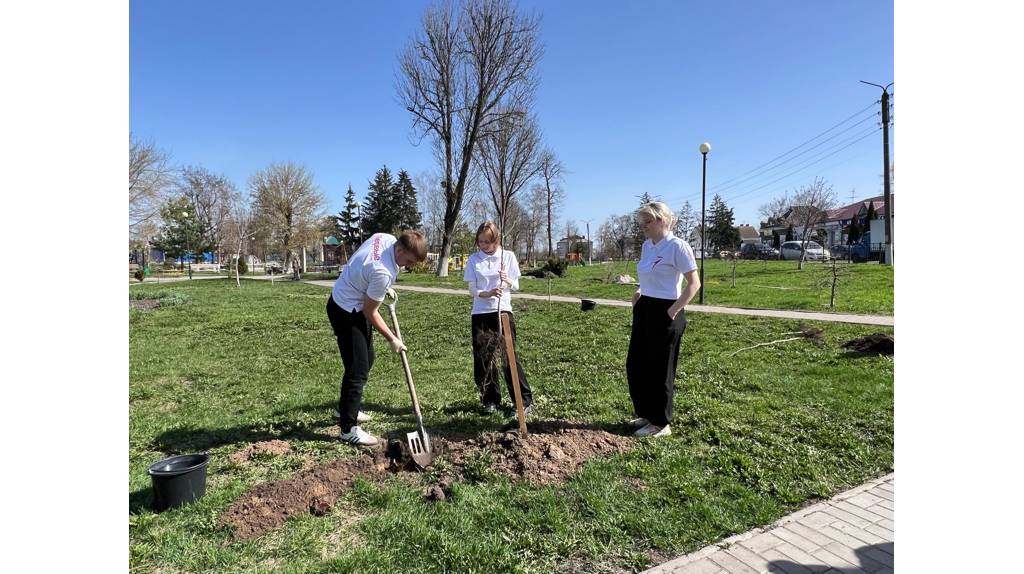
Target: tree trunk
[446,250]
[549,228]
[238,258]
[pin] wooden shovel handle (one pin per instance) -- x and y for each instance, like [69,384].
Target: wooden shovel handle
[510,352]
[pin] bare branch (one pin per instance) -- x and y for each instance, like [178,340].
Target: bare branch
[459,77]
[149,179]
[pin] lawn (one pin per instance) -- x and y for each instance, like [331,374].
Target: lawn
[758,285]
[756,434]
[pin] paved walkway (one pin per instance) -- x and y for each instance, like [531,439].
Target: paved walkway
[806,315]
[883,320]
[195,276]
[851,533]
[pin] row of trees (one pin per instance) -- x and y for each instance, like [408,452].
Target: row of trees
[191,210]
[468,79]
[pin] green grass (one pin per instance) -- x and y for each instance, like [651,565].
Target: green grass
[759,285]
[756,435]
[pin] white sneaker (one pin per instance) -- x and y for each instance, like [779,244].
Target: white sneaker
[358,436]
[639,423]
[360,418]
[653,430]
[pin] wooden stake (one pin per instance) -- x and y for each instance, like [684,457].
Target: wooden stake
[510,356]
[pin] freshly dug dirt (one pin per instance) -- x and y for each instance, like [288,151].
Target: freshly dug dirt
[143,304]
[543,456]
[269,505]
[553,452]
[435,493]
[874,343]
[320,506]
[261,449]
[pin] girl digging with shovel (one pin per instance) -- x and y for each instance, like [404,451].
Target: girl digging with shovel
[488,272]
[353,310]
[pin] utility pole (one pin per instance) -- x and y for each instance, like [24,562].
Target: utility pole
[885,173]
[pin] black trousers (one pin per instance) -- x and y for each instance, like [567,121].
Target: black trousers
[488,353]
[652,358]
[355,342]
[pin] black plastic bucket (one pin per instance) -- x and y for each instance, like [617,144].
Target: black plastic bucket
[587,304]
[178,480]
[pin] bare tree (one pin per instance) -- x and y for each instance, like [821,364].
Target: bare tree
[287,206]
[150,176]
[238,229]
[572,234]
[809,209]
[536,213]
[431,199]
[507,160]
[551,175]
[465,70]
[773,213]
[831,277]
[212,197]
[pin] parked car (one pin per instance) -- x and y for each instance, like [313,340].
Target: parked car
[792,250]
[758,251]
[857,252]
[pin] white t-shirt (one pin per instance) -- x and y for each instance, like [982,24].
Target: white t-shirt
[482,275]
[369,273]
[661,267]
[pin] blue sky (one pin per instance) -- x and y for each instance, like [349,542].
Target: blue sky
[628,91]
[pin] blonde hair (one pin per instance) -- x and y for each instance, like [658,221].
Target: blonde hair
[491,229]
[657,211]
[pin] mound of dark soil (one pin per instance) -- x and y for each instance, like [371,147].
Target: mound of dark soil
[269,505]
[553,452]
[874,343]
[540,457]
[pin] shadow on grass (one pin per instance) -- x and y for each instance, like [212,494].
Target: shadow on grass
[191,440]
[140,500]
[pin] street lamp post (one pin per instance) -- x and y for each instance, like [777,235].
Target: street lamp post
[704,149]
[187,248]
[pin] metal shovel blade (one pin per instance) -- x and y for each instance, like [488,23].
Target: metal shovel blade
[419,448]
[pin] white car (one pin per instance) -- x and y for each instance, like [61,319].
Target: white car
[791,250]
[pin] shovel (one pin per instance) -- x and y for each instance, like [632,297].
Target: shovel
[419,441]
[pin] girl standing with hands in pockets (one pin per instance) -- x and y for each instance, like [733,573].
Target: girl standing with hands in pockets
[658,319]
[492,273]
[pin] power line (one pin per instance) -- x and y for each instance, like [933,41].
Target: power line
[817,158]
[722,187]
[784,154]
[809,164]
